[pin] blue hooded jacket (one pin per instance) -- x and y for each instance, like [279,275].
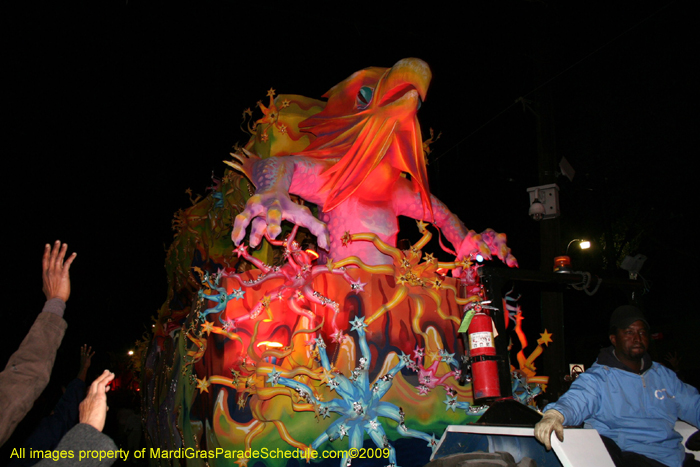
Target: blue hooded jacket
[637,411]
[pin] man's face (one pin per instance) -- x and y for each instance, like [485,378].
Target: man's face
[631,343]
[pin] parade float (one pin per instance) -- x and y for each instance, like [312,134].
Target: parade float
[294,322]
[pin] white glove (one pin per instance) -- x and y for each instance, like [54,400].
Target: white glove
[552,421]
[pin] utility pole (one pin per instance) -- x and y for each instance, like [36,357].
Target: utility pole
[550,232]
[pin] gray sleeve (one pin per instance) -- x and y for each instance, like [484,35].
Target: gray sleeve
[85,439]
[29,368]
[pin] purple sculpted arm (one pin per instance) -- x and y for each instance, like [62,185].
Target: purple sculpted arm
[275,178]
[408,203]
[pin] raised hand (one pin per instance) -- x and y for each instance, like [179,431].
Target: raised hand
[93,409]
[86,354]
[55,271]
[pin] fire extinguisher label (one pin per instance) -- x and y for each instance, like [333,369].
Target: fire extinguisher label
[480,339]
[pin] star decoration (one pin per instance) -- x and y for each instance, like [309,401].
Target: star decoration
[241,250]
[282,129]
[433,442]
[450,403]
[271,92]
[342,430]
[323,412]
[429,258]
[237,293]
[327,376]
[358,286]
[228,325]
[266,302]
[203,385]
[545,338]
[437,284]
[320,342]
[418,353]
[207,326]
[358,323]
[332,384]
[241,401]
[346,238]
[242,462]
[421,226]
[285,103]
[274,376]
[357,407]
[405,358]
[338,336]
[329,264]
[372,425]
[235,374]
[448,357]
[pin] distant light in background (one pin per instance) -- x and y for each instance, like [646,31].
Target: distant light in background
[583,244]
[479,258]
[130,352]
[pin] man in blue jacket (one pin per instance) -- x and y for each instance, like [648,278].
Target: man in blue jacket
[631,401]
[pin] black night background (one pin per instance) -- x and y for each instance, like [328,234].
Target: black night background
[112,112]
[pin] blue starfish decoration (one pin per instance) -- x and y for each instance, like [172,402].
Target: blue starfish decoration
[237,293]
[274,376]
[358,323]
[450,403]
[359,403]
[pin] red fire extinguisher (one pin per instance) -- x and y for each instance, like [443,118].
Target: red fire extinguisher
[482,350]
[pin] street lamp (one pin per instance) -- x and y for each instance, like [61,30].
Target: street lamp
[562,264]
[583,244]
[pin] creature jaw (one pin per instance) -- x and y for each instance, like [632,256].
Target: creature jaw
[405,99]
[405,76]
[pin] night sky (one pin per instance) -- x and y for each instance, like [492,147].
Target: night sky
[112,114]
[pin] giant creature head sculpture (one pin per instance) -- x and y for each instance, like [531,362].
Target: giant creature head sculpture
[370,118]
